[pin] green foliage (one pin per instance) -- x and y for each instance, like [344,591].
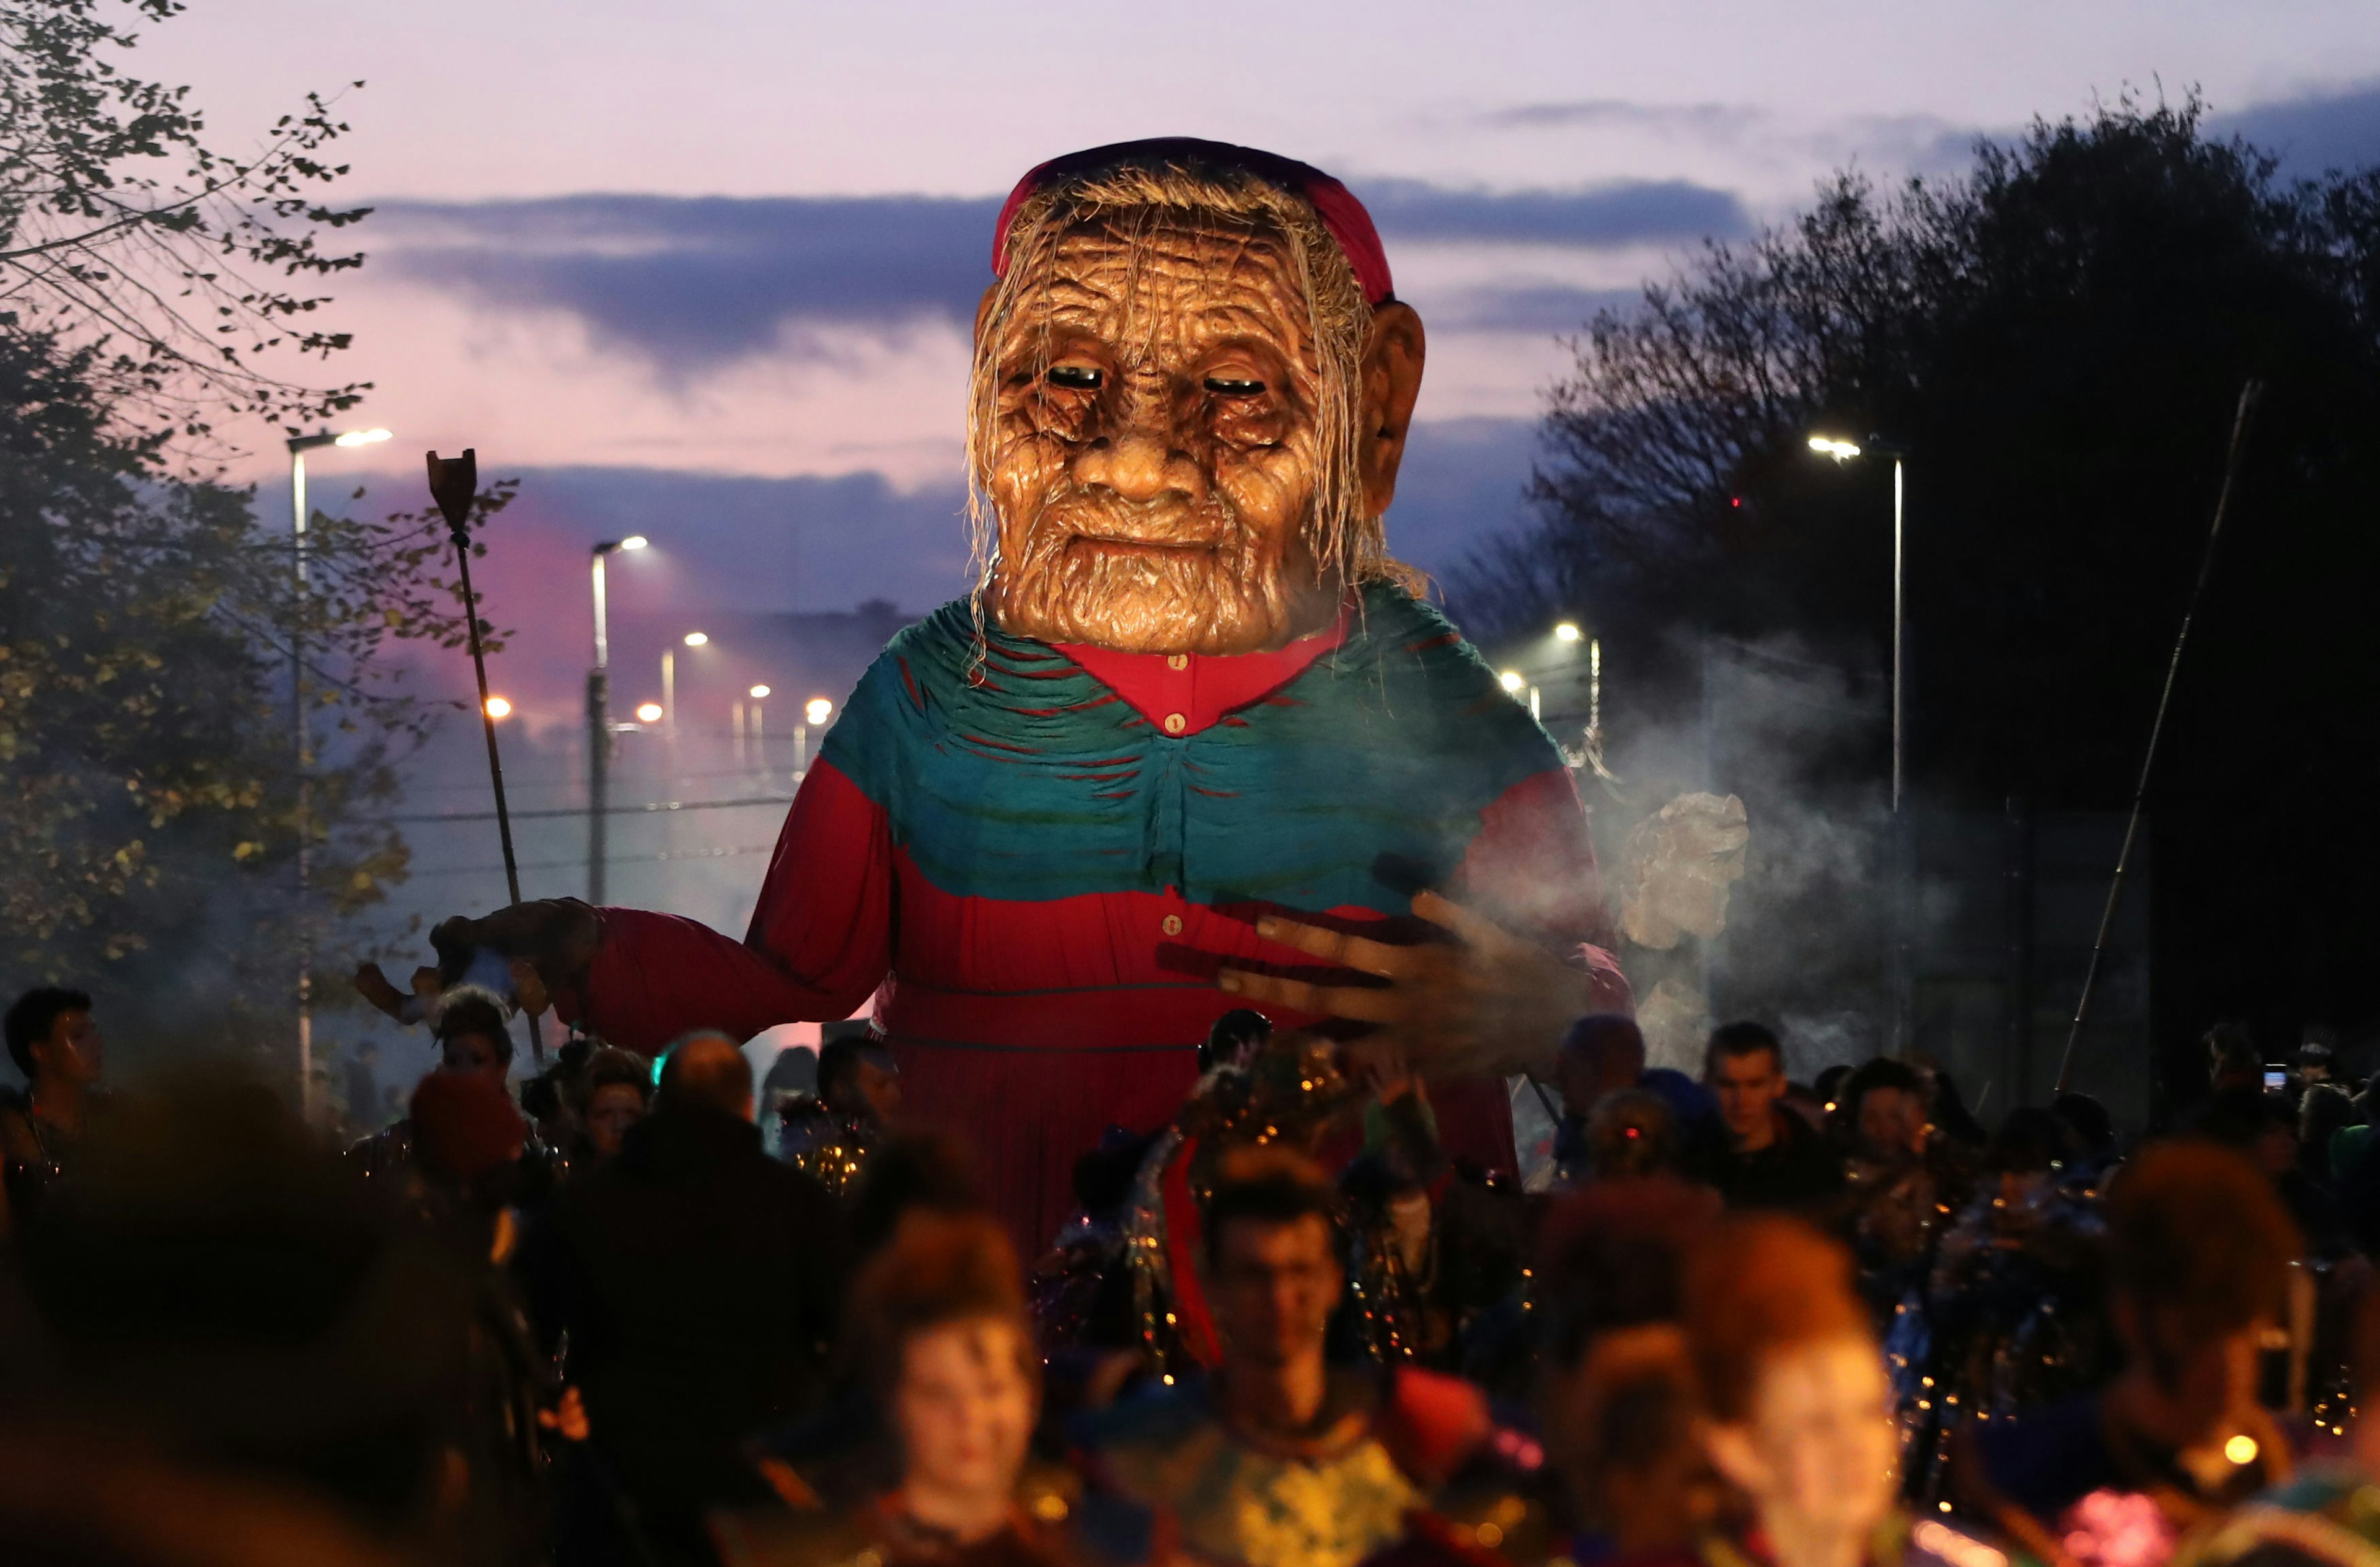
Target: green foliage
[150,752]
[124,231]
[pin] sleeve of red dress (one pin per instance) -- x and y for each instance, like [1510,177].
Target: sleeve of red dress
[819,943]
[1532,867]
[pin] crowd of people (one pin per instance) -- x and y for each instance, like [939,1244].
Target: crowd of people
[657,1314]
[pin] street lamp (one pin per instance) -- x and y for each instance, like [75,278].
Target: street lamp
[499,708]
[1566,632]
[298,514]
[649,712]
[1843,451]
[814,712]
[669,676]
[598,724]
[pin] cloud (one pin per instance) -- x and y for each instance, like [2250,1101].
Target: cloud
[2314,133]
[1705,121]
[686,285]
[703,279]
[1545,309]
[1625,214]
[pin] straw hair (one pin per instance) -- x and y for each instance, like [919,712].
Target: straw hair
[1138,197]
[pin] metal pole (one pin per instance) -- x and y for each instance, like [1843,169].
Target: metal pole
[1903,845]
[599,741]
[669,687]
[2249,396]
[305,747]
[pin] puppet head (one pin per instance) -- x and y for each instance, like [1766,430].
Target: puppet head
[1191,392]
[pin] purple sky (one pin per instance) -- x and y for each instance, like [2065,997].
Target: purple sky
[733,246]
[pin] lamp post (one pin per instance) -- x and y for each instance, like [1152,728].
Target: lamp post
[759,694]
[598,720]
[815,712]
[669,676]
[302,735]
[1844,451]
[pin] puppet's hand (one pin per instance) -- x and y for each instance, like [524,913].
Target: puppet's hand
[1483,1001]
[550,941]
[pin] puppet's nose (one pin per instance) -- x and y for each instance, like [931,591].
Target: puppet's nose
[1138,465]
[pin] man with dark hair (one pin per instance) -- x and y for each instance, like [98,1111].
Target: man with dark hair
[1280,1460]
[1236,1036]
[830,1136]
[1773,1157]
[1604,1053]
[698,1279]
[52,1041]
[2197,1264]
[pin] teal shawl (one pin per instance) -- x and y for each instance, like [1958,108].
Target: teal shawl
[1009,773]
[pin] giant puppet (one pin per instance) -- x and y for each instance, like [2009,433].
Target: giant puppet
[1161,762]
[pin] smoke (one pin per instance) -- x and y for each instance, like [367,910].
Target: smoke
[1800,738]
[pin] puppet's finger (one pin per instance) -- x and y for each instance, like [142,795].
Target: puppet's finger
[1361,1004]
[1359,953]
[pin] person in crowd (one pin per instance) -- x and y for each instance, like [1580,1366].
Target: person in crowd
[2326,1110]
[858,1096]
[217,1325]
[1905,1177]
[936,1333]
[54,1043]
[2013,1307]
[1233,1040]
[1800,1417]
[1615,1389]
[619,1093]
[1633,1134]
[1772,1157]
[2325,1514]
[699,1282]
[1277,1459]
[2234,1065]
[2197,1261]
[2091,1131]
[1604,1053]
[472,1037]
[2317,1058]
[2263,1127]
[1429,1249]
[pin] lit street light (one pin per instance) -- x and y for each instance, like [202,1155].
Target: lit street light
[298,514]
[649,712]
[1843,451]
[697,639]
[1566,632]
[814,712]
[498,707]
[598,724]
[1511,680]
[669,675]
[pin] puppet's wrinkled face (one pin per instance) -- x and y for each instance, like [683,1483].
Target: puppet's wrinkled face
[1154,458]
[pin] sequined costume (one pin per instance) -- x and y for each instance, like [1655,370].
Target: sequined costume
[830,1148]
[1382,1446]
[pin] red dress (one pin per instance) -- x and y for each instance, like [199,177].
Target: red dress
[965,784]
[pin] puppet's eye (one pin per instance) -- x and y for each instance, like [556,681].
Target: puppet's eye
[1076,378]
[1233,387]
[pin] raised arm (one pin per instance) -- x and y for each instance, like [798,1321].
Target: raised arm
[820,942]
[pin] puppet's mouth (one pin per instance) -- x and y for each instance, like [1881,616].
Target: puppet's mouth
[1113,544]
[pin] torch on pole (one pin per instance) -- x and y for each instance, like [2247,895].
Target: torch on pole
[453,484]
[2249,396]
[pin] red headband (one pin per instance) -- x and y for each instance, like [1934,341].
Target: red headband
[1344,215]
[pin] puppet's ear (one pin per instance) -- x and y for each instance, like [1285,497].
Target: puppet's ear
[1393,360]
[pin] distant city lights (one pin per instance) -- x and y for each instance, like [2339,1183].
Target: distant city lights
[817,708]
